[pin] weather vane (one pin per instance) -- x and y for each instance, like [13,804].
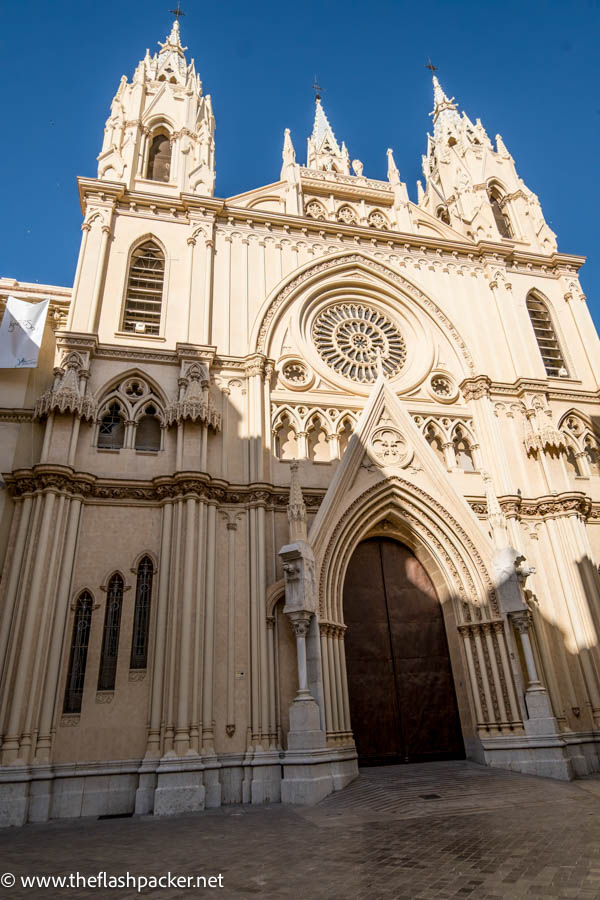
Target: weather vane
[177,12]
[431,66]
[317,89]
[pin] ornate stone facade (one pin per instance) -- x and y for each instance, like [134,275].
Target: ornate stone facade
[231,397]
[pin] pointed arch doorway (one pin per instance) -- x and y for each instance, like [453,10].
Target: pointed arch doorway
[402,699]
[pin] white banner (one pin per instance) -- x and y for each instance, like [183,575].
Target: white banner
[21,333]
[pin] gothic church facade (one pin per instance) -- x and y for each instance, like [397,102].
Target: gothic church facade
[305,477]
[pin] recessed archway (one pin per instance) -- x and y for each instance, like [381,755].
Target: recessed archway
[402,699]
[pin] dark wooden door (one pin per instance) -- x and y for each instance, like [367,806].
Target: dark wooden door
[402,699]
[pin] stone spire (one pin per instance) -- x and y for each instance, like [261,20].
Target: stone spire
[296,509]
[445,111]
[152,106]
[324,152]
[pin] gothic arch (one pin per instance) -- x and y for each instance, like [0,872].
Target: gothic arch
[437,539]
[142,555]
[109,389]
[536,294]
[309,274]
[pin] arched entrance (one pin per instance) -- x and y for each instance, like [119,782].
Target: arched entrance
[402,699]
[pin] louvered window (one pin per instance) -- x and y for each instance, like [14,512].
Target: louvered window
[78,656]
[144,290]
[546,338]
[110,639]
[141,619]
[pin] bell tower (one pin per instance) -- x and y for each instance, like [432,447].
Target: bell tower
[474,186]
[159,137]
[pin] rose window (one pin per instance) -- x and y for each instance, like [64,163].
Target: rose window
[350,337]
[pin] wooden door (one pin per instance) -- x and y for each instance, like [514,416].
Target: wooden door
[402,699]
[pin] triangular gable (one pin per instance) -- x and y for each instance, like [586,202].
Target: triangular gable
[387,435]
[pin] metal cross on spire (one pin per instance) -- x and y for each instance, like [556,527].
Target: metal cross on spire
[431,66]
[177,12]
[317,89]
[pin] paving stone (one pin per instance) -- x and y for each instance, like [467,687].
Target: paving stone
[493,835]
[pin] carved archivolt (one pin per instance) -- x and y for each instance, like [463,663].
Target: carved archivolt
[377,268]
[439,533]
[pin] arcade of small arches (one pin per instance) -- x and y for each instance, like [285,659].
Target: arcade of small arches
[346,214]
[130,416]
[582,445]
[322,436]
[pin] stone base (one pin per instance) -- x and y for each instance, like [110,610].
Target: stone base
[305,725]
[310,775]
[179,786]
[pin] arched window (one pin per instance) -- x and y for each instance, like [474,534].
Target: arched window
[78,656]
[318,445]
[345,434]
[145,281]
[501,219]
[141,617]
[110,639]
[435,442]
[546,337]
[286,442]
[112,430]
[159,158]
[462,450]
[592,452]
[147,433]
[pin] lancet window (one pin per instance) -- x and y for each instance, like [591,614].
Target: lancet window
[110,638]
[159,157]
[141,617]
[462,451]
[112,429]
[148,431]
[145,283]
[546,337]
[78,656]
[500,217]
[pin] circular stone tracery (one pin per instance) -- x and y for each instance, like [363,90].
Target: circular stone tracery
[350,336]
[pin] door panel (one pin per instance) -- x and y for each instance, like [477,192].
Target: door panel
[402,699]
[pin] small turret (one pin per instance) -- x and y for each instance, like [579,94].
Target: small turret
[324,152]
[159,136]
[473,186]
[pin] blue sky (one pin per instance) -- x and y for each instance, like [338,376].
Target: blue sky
[527,69]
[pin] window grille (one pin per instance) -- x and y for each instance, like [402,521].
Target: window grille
[145,283]
[78,656]
[112,430]
[141,618]
[110,639]
[546,338]
[147,433]
[159,158]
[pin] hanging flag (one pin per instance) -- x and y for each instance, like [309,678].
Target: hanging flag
[21,333]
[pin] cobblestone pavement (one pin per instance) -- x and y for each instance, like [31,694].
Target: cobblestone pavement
[417,832]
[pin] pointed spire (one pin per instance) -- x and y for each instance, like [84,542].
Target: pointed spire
[392,173]
[324,152]
[445,111]
[322,133]
[288,154]
[296,509]
[173,41]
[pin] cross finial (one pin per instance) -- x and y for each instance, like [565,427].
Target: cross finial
[177,12]
[431,66]
[317,89]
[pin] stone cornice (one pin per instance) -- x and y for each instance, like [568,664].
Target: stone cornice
[480,385]
[550,506]
[516,258]
[15,415]
[93,489]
